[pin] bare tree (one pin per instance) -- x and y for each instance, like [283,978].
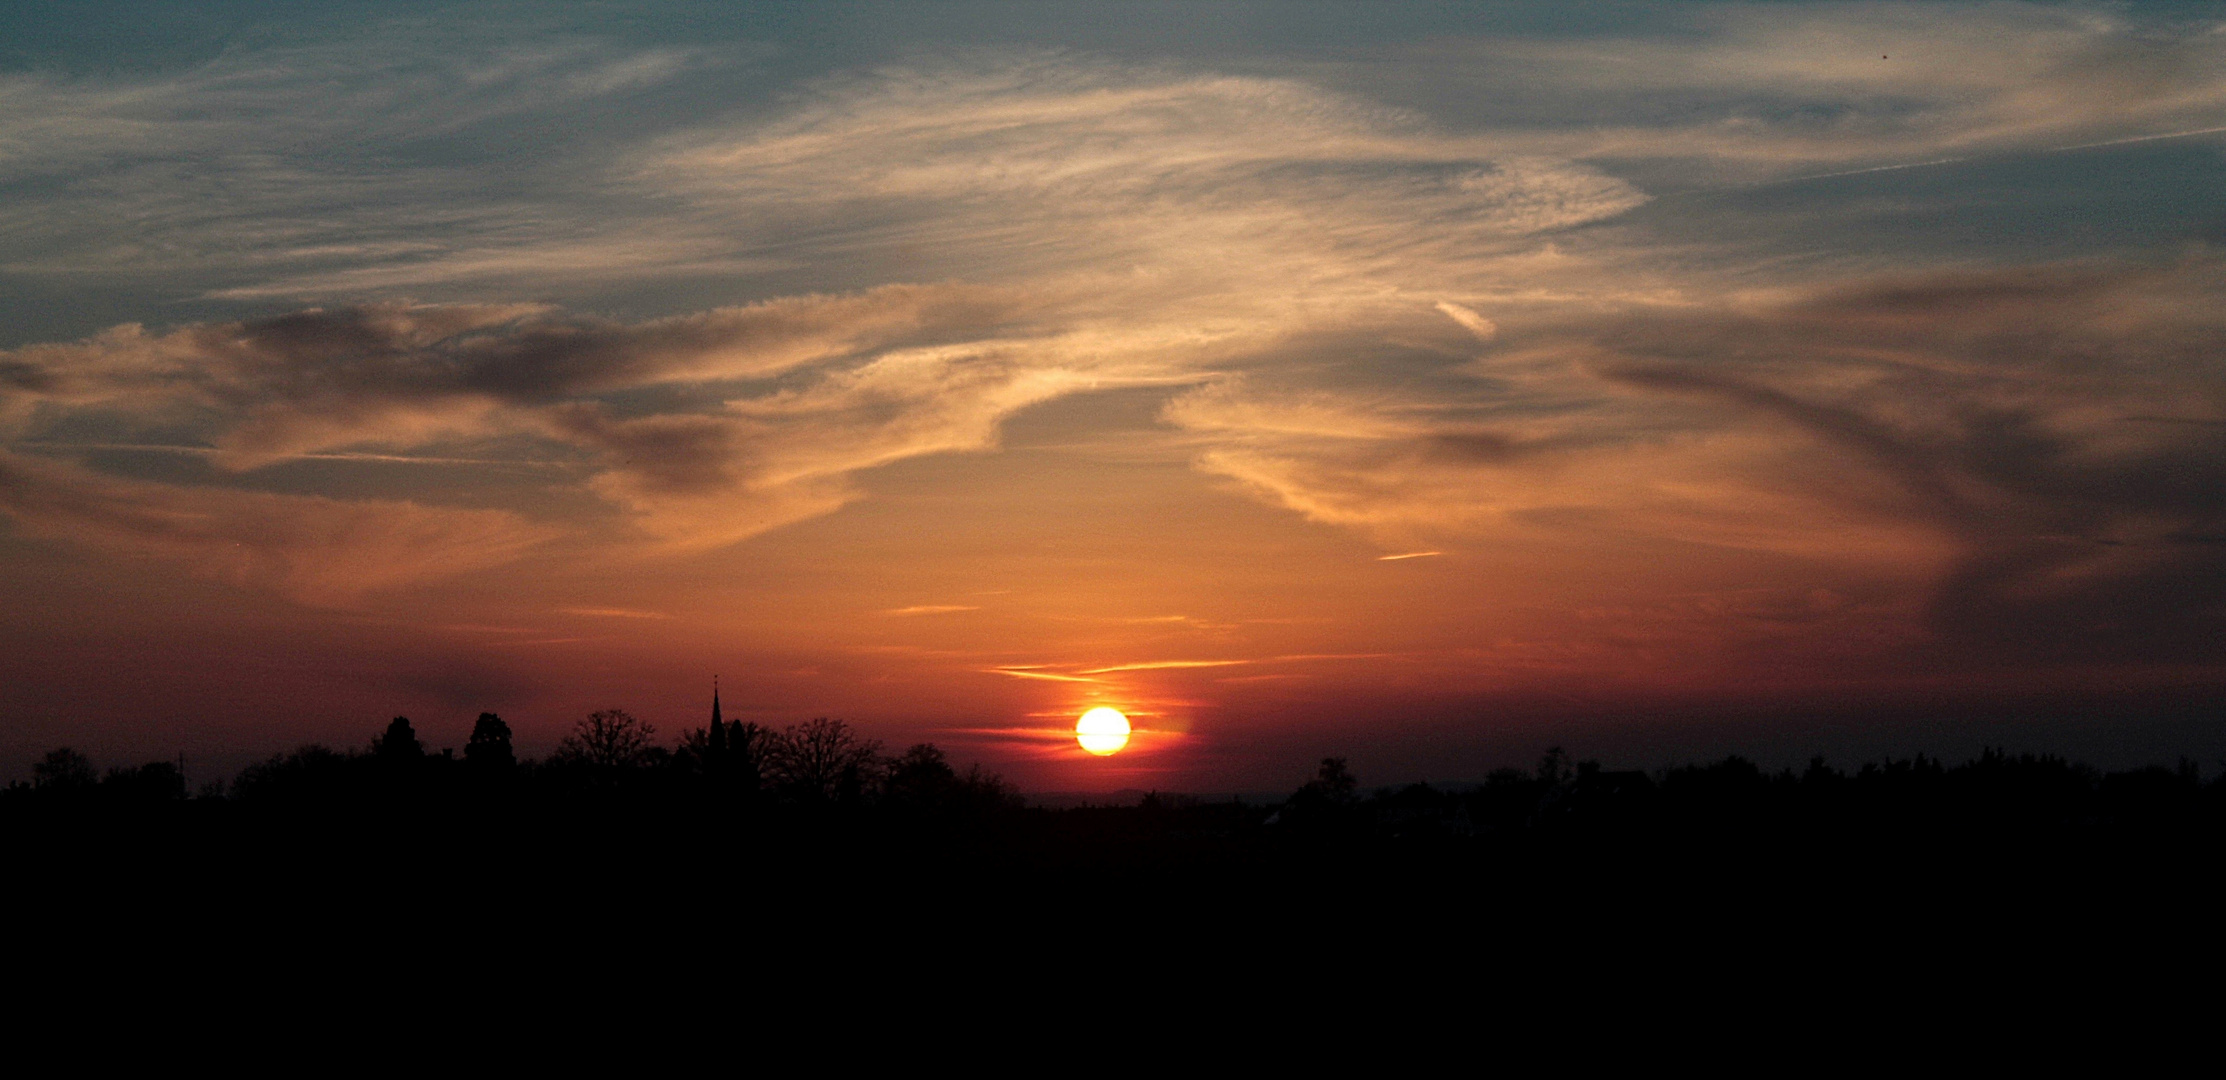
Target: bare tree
[821,761]
[747,746]
[608,741]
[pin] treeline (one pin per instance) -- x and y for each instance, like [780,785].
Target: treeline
[1996,793]
[610,758]
[611,763]
[738,846]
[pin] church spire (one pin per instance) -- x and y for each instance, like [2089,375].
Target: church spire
[718,730]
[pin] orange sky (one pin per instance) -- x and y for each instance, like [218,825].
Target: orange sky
[1662,389]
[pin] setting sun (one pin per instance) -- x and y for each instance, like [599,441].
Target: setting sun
[1102,731]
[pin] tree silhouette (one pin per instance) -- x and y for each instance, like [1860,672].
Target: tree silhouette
[1330,798]
[156,781]
[310,773]
[820,761]
[729,754]
[489,748]
[63,771]
[920,776]
[1333,783]
[747,746]
[1553,767]
[608,741]
[850,800]
[399,743]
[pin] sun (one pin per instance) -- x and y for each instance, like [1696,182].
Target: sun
[1102,731]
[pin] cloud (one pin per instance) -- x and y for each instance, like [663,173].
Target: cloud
[1483,328]
[388,146]
[2008,409]
[1404,467]
[319,551]
[771,406]
[1052,165]
[1312,268]
[1046,676]
[930,609]
[1158,665]
[343,172]
[611,613]
[2044,440]
[740,454]
[456,162]
[1122,226]
[1747,91]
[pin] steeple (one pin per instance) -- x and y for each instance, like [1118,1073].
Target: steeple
[718,733]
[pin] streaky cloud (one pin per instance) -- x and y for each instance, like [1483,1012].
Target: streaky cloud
[1046,676]
[1160,665]
[612,613]
[319,551]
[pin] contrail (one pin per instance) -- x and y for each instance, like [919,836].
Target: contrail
[1952,161]
[2142,138]
[1859,172]
[206,451]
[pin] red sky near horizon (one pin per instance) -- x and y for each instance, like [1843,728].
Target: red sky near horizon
[1427,393]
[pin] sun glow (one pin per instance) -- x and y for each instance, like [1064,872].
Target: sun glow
[1102,731]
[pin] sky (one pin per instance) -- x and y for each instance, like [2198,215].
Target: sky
[1423,384]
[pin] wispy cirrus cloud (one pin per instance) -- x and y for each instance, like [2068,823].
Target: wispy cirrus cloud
[1431,325]
[764,412]
[1748,92]
[308,158]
